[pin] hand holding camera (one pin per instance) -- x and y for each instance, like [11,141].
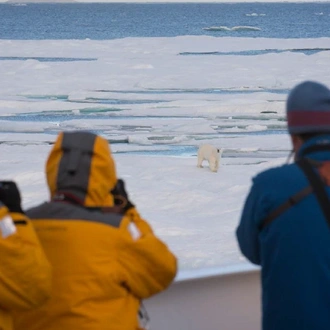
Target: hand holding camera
[10,196]
[121,197]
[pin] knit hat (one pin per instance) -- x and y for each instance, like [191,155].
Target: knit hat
[308,108]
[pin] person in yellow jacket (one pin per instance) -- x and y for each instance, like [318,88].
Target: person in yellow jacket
[106,258]
[25,273]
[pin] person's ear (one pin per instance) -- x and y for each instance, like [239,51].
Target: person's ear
[297,142]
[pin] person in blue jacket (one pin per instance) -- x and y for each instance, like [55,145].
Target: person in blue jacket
[285,224]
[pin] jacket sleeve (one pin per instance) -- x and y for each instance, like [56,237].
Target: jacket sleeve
[147,264]
[247,232]
[25,273]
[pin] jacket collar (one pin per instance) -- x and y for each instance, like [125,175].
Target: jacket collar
[317,148]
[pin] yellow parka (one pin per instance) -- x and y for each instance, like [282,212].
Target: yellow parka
[104,263]
[25,273]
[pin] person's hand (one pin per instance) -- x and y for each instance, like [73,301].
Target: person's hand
[121,197]
[10,196]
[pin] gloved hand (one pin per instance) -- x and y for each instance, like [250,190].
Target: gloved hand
[10,196]
[121,196]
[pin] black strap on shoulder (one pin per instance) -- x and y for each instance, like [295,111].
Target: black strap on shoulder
[318,186]
[293,200]
[20,222]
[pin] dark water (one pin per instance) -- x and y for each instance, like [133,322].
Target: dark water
[120,20]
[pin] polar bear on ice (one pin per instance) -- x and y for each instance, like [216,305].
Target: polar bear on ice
[211,154]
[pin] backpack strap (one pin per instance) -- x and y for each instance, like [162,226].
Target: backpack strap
[318,186]
[291,201]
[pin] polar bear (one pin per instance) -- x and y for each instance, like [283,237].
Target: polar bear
[211,154]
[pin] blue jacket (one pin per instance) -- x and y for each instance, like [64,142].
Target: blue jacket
[293,250]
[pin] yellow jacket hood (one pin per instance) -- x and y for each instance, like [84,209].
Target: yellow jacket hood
[81,164]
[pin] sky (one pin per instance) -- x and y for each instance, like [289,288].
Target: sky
[165,106]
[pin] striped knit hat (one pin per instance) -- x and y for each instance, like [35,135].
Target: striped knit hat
[308,108]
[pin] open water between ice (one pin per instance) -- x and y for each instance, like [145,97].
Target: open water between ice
[174,135]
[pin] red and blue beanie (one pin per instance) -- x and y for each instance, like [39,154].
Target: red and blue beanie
[308,108]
